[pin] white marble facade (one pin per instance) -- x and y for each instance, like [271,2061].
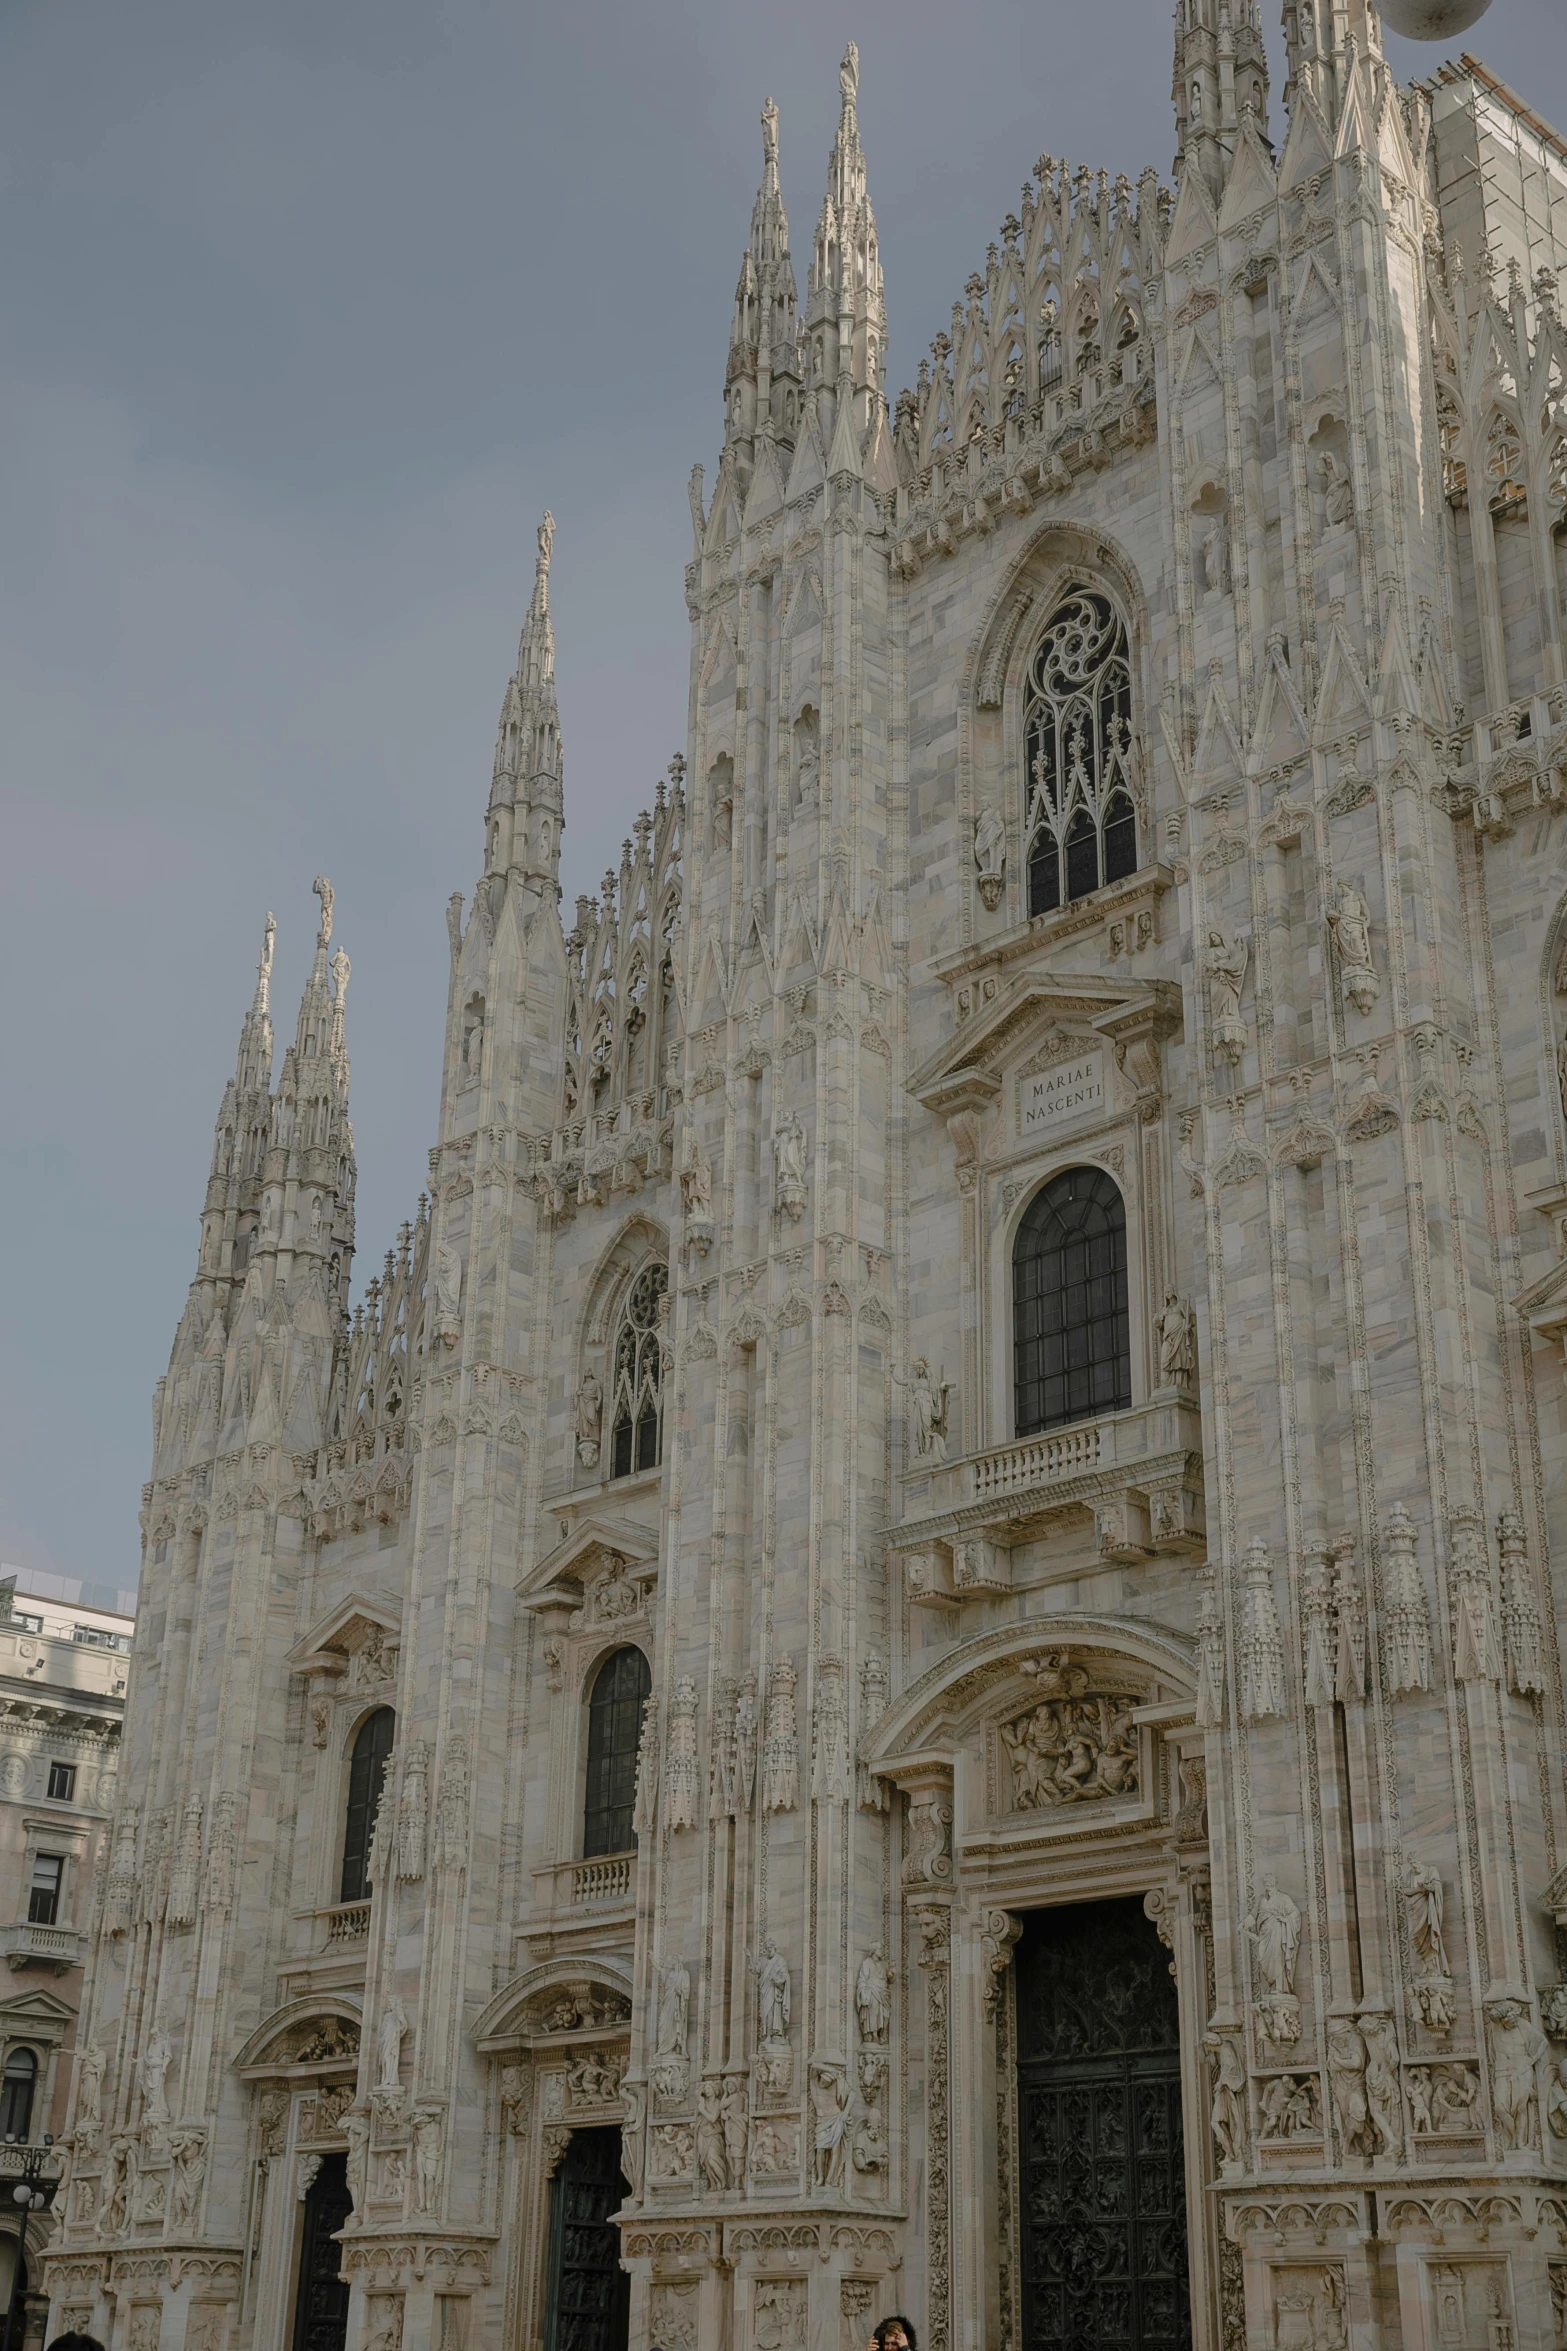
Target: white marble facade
[1143,751]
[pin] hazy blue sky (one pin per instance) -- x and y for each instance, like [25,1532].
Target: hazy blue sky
[311,306]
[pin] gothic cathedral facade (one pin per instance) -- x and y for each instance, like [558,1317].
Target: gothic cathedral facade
[908,1656]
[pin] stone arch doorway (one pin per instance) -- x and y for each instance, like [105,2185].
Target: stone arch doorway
[321,2297]
[587,2294]
[1102,2193]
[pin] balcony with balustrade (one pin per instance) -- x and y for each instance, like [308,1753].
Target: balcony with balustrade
[583,1905]
[28,1945]
[1136,1475]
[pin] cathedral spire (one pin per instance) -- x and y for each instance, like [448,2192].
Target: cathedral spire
[308,1189]
[522,830]
[1221,77]
[845,316]
[762,378]
[239,1141]
[1322,38]
[255,1038]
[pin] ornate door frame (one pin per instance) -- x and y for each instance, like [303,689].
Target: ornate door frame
[973,1863]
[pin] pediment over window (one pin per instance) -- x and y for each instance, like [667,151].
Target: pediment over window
[1001,1677]
[36,2015]
[360,1638]
[1544,1306]
[604,1571]
[1037,1020]
[563,2000]
[319,2032]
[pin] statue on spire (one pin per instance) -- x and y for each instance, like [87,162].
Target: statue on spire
[849,77]
[770,136]
[268,942]
[546,543]
[323,890]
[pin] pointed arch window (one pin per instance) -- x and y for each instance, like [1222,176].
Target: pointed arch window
[1071,1339]
[620,1690]
[1077,742]
[366,1775]
[637,1421]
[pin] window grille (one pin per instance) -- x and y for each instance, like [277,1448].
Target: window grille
[1071,1337]
[637,1440]
[366,1772]
[620,1691]
[1077,736]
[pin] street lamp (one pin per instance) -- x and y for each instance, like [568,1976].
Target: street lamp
[31,2192]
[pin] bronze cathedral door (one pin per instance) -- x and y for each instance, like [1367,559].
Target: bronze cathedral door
[1102,2196]
[587,2293]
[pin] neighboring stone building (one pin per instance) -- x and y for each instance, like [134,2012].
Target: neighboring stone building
[912,1641]
[64,1661]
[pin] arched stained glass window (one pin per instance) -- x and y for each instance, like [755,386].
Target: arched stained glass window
[638,1417]
[620,1689]
[1071,1342]
[1077,740]
[366,1772]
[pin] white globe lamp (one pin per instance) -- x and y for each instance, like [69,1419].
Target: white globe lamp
[1432,20]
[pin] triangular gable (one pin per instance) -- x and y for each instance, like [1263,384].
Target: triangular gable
[1344,698]
[844,457]
[966,1072]
[1356,125]
[766,494]
[1194,224]
[1252,183]
[1279,739]
[1309,147]
[880,466]
[1398,693]
[1543,1305]
[37,2011]
[723,522]
[336,1638]
[1198,365]
[594,1544]
[1220,755]
[807,472]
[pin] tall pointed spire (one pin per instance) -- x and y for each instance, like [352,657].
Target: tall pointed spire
[1321,37]
[239,1143]
[1221,76]
[307,1198]
[845,315]
[761,385]
[522,828]
[255,1038]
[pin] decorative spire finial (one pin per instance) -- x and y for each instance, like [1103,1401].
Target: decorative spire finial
[849,77]
[546,544]
[770,136]
[324,891]
[264,967]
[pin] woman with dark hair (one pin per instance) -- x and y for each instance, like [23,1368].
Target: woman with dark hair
[894,2334]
